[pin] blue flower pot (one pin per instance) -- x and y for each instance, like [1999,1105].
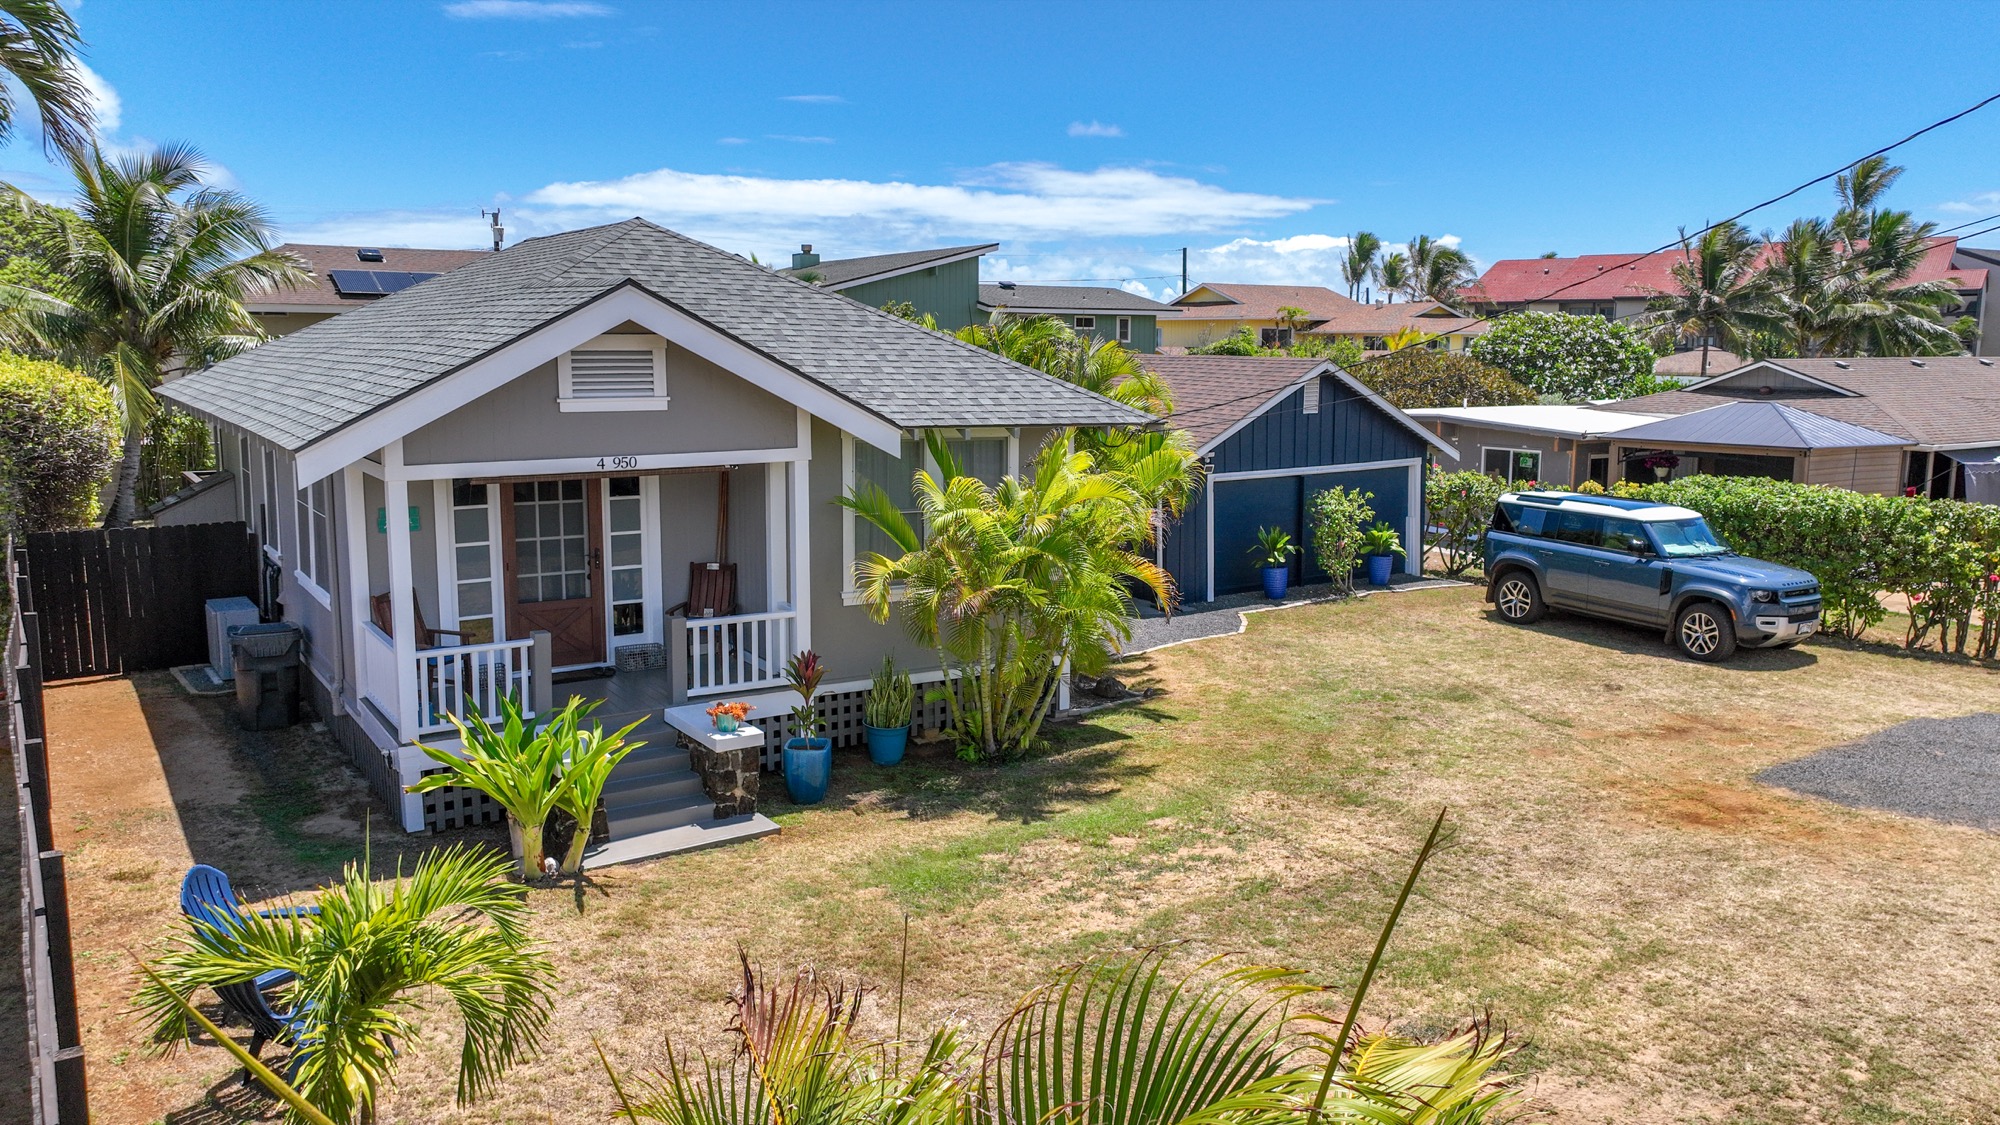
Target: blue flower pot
[1277,579]
[1379,569]
[886,744]
[808,769]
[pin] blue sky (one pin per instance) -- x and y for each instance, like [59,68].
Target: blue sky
[1090,140]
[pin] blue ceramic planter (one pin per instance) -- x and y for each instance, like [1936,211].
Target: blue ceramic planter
[1379,569]
[1277,579]
[886,744]
[808,769]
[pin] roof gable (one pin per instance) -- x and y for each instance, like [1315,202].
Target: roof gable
[1067,298]
[1764,425]
[1217,395]
[845,273]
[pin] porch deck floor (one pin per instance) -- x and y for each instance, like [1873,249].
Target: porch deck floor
[624,693]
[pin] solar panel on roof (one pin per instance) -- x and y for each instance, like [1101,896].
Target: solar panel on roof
[374,283]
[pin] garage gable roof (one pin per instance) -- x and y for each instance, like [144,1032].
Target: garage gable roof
[1217,395]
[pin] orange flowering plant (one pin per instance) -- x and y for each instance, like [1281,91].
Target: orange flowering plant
[740,712]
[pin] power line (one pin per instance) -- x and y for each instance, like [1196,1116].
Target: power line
[1682,240]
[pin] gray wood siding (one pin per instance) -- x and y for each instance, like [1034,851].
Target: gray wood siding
[1348,429]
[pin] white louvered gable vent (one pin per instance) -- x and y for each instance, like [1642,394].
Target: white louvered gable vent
[613,374]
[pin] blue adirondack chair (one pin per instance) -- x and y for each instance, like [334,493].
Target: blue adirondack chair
[207,896]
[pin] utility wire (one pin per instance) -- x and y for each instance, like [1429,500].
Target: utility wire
[1679,241]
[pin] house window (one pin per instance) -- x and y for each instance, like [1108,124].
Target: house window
[614,373]
[267,506]
[246,493]
[625,527]
[1124,329]
[315,538]
[1274,337]
[986,456]
[472,554]
[1086,324]
[1515,466]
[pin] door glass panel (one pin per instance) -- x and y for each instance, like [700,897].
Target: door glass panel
[472,559]
[473,562]
[551,541]
[625,513]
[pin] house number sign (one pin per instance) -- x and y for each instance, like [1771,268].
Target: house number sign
[622,462]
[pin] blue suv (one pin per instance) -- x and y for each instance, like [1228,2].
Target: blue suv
[1650,564]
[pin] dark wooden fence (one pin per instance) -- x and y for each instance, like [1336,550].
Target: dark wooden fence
[55,1050]
[130,599]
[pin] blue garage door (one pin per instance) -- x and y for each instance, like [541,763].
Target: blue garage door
[1244,506]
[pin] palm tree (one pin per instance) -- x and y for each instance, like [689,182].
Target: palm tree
[1394,273]
[38,45]
[1359,264]
[1842,298]
[1437,271]
[1800,275]
[151,278]
[454,928]
[1721,296]
[1859,189]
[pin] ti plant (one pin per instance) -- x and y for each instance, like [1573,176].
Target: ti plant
[517,764]
[804,671]
[589,755]
[1274,547]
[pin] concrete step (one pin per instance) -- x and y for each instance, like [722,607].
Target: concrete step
[681,838]
[652,816]
[663,753]
[639,789]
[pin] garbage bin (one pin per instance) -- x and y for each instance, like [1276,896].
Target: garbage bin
[267,674]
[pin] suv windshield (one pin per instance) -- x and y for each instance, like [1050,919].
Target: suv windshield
[1681,539]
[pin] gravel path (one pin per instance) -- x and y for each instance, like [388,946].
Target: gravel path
[1224,616]
[1941,769]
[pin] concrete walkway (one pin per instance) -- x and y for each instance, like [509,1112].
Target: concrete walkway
[1225,616]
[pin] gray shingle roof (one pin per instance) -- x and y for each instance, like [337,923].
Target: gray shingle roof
[1765,425]
[1070,298]
[1935,400]
[849,271]
[300,388]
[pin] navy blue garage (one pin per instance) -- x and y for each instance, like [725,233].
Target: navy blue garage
[1273,431]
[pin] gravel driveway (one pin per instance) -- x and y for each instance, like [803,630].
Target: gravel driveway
[1942,769]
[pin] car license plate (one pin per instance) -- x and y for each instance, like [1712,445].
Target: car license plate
[1806,628]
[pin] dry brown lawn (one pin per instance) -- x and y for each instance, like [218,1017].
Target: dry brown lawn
[1674,941]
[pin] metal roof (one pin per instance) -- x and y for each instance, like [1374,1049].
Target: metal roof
[1757,425]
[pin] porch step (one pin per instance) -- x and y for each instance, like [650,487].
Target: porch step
[624,792]
[683,838]
[666,812]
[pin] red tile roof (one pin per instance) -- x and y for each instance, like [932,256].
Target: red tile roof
[1604,277]
[1262,302]
[322,259]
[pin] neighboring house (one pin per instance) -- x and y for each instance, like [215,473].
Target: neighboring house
[1101,313]
[1618,287]
[1871,424]
[1372,325]
[541,452]
[1558,445]
[1686,365]
[1271,431]
[943,283]
[1212,310]
[345,278]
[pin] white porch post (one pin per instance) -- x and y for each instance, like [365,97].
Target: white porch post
[402,587]
[777,541]
[801,555]
[354,536]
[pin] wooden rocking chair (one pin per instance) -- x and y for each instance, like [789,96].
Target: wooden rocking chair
[445,675]
[711,591]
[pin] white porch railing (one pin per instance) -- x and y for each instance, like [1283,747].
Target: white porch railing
[740,653]
[380,684]
[468,680]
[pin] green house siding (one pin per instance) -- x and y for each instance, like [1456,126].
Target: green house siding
[1145,329]
[949,292]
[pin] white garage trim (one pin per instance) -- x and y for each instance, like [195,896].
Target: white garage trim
[1413,522]
[1316,470]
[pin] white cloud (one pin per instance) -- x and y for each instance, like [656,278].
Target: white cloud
[815,99]
[1300,259]
[524,9]
[731,141]
[104,101]
[454,231]
[798,140]
[1094,129]
[1985,203]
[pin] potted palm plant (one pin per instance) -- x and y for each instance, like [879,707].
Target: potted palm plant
[887,715]
[1274,551]
[1380,544]
[808,757]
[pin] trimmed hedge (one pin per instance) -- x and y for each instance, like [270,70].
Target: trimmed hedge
[59,439]
[1943,555]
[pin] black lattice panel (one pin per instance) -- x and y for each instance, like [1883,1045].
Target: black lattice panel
[453,807]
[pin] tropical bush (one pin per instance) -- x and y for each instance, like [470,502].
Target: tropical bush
[454,928]
[1570,358]
[1418,377]
[1338,517]
[176,443]
[891,697]
[59,435]
[1458,509]
[1942,555]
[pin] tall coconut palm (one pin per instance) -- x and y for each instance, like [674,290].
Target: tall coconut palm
[1720,295]
[1437,271]
[1359,265]
[38,45]
[453,928]
[1394,273]
[1842,298]
[1800,275]
[151,278]
[1859,189]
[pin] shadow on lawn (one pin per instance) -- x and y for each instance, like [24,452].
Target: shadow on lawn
[1643,641]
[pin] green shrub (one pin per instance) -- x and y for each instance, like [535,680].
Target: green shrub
[1338,517]
[1458,509]
[1571,358]
[59,438]
[1418,377]
[176,442]
[892,698]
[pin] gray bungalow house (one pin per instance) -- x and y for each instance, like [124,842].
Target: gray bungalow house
[535,474]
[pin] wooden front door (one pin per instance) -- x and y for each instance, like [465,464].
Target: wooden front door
[550,530]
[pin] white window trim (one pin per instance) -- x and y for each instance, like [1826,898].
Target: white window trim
[1511,478]
[658,400]
[273,521]
[311,583]
[1124,329]
[652,582]
[849,595]
[1079,323]
[447,543]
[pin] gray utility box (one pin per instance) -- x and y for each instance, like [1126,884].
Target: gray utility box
[223,615]
[266,659]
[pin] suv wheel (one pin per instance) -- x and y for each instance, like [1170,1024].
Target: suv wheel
[1518,597]
[1704,631]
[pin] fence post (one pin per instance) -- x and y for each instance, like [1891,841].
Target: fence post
[541,674]
[677,661]
[62,958]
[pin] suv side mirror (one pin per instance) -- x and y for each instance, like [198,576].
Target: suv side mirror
[1638,545]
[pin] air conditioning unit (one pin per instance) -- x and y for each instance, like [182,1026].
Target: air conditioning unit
[223,613]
